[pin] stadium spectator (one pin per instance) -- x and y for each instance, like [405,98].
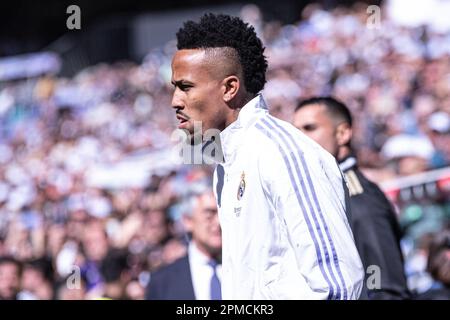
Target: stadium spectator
[10,272]
[439,267]
[197,274]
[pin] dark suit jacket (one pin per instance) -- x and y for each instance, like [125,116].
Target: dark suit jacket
[377,236]
[435,294]
[172,282]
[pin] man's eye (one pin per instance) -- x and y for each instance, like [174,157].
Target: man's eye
[309,128]
[184,88]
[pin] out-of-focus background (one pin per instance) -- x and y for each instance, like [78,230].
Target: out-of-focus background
[87,186]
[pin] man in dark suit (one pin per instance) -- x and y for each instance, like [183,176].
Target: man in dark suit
[372,218]
[196,275]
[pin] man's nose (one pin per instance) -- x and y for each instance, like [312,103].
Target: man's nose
[215,218]
[177,102]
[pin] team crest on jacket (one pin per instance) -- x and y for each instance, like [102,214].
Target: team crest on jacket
[241,188]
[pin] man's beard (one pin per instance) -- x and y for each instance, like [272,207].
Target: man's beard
[194,138]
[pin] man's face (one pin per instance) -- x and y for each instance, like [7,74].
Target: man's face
[314,121]
[9,280]
[198,91]
[155,227]
[204,224]
[95,241]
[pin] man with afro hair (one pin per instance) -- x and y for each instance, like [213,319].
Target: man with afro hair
[281,197]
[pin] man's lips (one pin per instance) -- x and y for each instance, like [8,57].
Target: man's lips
[181,118]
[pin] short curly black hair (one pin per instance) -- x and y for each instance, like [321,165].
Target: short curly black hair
[216,31]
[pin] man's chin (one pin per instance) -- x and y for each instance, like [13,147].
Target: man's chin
[190,137]
[195,139]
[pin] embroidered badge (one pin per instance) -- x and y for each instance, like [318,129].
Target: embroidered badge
[241,188]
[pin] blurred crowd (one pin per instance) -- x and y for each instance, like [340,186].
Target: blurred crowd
[66,235]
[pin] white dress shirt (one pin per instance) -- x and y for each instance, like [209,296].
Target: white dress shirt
[201,272]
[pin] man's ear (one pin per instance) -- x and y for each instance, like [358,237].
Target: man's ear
[231,85]
[187,222]
[343,134]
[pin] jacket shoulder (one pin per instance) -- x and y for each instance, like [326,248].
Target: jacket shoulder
[171,282]
[360,185]
[270,134]
[179,265]
[369,202]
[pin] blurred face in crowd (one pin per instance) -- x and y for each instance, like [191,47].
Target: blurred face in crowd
[411,165]
[134,291]
[173,250]
[76,224]
[443,272]
[203,90]
[438,247]
[34,281]
[56,238]
[156,227]
[204,226]
[95,241]
[9,280]
[315,121]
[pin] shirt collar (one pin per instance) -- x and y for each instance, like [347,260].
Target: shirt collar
[196,255]
[246,117]
[347,163]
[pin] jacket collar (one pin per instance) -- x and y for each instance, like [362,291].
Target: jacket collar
[230,137]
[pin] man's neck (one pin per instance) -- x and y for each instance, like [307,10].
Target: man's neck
[232,117]
[236,107]
[207,253]
[343,153]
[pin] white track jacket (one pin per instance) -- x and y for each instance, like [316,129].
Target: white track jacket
[282,209]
